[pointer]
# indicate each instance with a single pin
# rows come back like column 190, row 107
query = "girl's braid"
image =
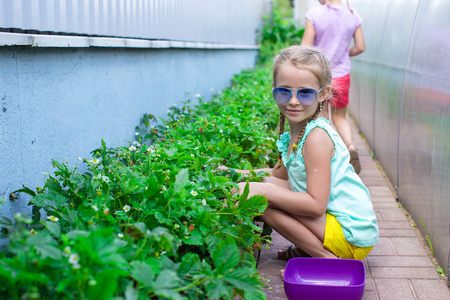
column 281, row 131
column 313, row 117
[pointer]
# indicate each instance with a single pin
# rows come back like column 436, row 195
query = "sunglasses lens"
column 281, row 95
column 307, row 96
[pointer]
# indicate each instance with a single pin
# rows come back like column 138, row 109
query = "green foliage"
column 156, row 219
column 279, row 31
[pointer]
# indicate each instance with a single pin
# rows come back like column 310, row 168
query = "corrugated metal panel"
column 217, row 21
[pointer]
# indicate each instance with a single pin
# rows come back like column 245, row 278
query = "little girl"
column 316, row 200
column 330, row 28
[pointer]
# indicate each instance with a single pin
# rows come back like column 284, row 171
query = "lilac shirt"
column 334, row 26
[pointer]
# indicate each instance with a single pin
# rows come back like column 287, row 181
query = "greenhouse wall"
column 400, row 99
column 76, row 72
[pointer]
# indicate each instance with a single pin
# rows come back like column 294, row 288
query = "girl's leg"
column 342, row 126
column 306, row 233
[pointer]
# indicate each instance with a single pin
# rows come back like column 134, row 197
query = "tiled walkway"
column 398, row 267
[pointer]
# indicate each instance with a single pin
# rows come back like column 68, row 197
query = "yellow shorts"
column 336, row 242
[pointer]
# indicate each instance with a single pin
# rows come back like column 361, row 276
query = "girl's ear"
column 325, row 93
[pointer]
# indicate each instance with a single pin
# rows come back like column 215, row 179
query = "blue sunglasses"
column 306, row 96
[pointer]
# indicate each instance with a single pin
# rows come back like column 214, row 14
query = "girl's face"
column 293, row 78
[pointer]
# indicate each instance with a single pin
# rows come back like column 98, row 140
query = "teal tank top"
column 349, row 199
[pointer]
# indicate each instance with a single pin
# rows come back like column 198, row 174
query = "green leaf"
column 226, row 256
column 131, row 293
column 105, row 287
column 167, row 279
column 243, row 278
column 48, row 251
column 26, row 190
column 216, row 289
column 181, row 180
column 197, row 164
column 54, row 228
column 143, row 273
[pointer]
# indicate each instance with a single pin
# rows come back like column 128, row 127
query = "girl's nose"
column 294, row 100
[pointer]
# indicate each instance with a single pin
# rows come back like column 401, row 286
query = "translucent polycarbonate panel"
column 424, row 156
column 218, row 21
column 389, row 89
column 374, row 18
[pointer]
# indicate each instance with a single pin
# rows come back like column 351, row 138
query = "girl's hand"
column 255, row 188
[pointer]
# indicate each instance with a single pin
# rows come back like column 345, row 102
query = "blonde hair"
column 304, row 58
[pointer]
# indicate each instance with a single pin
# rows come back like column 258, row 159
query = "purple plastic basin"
column 324, row 278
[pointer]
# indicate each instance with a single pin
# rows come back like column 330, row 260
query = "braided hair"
column 304, row 58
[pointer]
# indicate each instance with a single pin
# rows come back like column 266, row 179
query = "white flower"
column 167, row 126
column 94, row 207
column 192, row 155
column 106, row 179
column 137, row 133
column 66, row 251
column 151, row 149
column 204, row 201
column 269, row 138
column 164, row 188
column 126, row 208
column 79, row 158
column 45, row 173
column 52, row 218
column 74, row 259
column 221, row 130
column 198, row 96
column 95, row 161
column 193, row 193
column 233, row 122
column 132, row 148
column 120, row 235
column 76, row 266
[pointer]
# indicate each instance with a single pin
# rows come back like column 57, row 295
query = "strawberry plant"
column 155, row 219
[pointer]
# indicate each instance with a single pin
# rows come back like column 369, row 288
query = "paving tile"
column 398, row 261
column 369, row 285
column 373, row 182
column 377, row 199
column 369, row 295
column 389, row 214
column 397, row 233
column 383, row 247
column 430, row 289
column 394, row 225
column 388, row 204
column 403, row 273
column 393, row 289
column 380, row 191
column 408, row 246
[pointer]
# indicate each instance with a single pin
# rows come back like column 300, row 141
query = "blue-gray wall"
column 75, row 72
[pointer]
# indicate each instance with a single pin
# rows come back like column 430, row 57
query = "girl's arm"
column 317, row 152
column 309, row 35
column 359, row 45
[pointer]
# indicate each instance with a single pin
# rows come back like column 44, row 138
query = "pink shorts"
column 340, row 88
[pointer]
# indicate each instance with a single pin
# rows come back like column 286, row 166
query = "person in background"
column 331, row 28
